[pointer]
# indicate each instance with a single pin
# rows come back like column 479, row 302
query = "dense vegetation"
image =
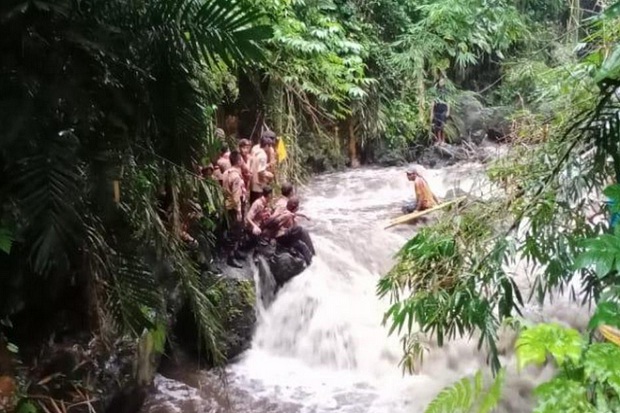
column 106, row 105
column 455, row 277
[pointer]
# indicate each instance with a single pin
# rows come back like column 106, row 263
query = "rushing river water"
column 321, row 347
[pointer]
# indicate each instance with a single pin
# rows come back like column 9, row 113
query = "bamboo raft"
column 415, row 215
column 610, row 333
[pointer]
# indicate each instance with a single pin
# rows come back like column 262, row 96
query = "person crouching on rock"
column 233, row 185
column 288, row 234
column 287, row 190
column 256, row 217
column 425, row 199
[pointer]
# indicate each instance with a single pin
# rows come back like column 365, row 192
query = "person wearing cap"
column 425, row 199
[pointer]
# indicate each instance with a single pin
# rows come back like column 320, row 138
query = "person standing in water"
column 425, row 199
column 439, row 114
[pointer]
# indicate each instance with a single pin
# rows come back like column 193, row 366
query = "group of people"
column 246, row 175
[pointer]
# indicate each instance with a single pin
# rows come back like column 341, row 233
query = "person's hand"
column 256, row 230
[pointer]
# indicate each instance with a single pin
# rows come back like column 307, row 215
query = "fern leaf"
column 494, row 393
column 458, row 398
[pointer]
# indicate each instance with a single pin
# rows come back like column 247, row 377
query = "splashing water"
column 320, row 347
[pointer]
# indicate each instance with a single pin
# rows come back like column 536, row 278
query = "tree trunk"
column 353, row 156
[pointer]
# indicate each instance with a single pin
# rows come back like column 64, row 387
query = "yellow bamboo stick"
column 610, row 333
column 409, row 217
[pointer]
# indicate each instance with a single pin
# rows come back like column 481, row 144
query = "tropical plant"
column 588, row 379
column 101, row 96
column 468, row 395
column 452, row 278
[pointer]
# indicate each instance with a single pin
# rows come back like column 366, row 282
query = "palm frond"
column 47, row 187
column 135, row 297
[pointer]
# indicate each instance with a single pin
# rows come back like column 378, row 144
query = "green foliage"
column 562, row 394
column 314, row 57
column 96, row 92
column 6, row 240
column 468, row 395
column 448, row 281
column 539, row 218
column 606, row 313
column 588, row 379
column 26, row 406
column 534, row 344
column 453, row 32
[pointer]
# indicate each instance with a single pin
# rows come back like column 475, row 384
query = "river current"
column 320, row 347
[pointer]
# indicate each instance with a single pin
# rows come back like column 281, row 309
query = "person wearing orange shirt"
column 425, row 199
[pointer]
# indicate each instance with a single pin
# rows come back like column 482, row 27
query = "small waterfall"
column 265, row 284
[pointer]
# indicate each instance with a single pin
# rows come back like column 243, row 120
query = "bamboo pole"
column 409, row 217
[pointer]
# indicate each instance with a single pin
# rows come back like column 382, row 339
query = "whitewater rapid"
column 320, row 347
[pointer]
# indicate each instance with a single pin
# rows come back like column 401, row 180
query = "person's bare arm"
column 418, row 190
column 250, row 220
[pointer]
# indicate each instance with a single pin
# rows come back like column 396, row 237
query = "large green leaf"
column 607, row 313
column 601, row 364
column 602, row 253
column 562, row 395
column 536, row 343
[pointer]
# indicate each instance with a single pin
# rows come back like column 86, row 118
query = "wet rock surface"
column 239, row 291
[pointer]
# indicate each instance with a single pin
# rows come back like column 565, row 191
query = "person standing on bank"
column 233, row 197
column 260, row 174
column 439, row 114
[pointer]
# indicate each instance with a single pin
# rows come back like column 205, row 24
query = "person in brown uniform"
column 260, row 174
column 259, row 212
column 233, row 185
column 288, row 233
column 287, row 191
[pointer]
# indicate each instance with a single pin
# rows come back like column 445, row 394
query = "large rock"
column 237, row 306
column 233, row 293
column 284, row 266
column 238, row 295
column 473, row 121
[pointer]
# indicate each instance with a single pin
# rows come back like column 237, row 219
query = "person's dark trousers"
column 299, row 240
column 234, row 234
column 250, row 242
column 254, row 196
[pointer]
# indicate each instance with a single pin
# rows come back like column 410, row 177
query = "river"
column 320, row 347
